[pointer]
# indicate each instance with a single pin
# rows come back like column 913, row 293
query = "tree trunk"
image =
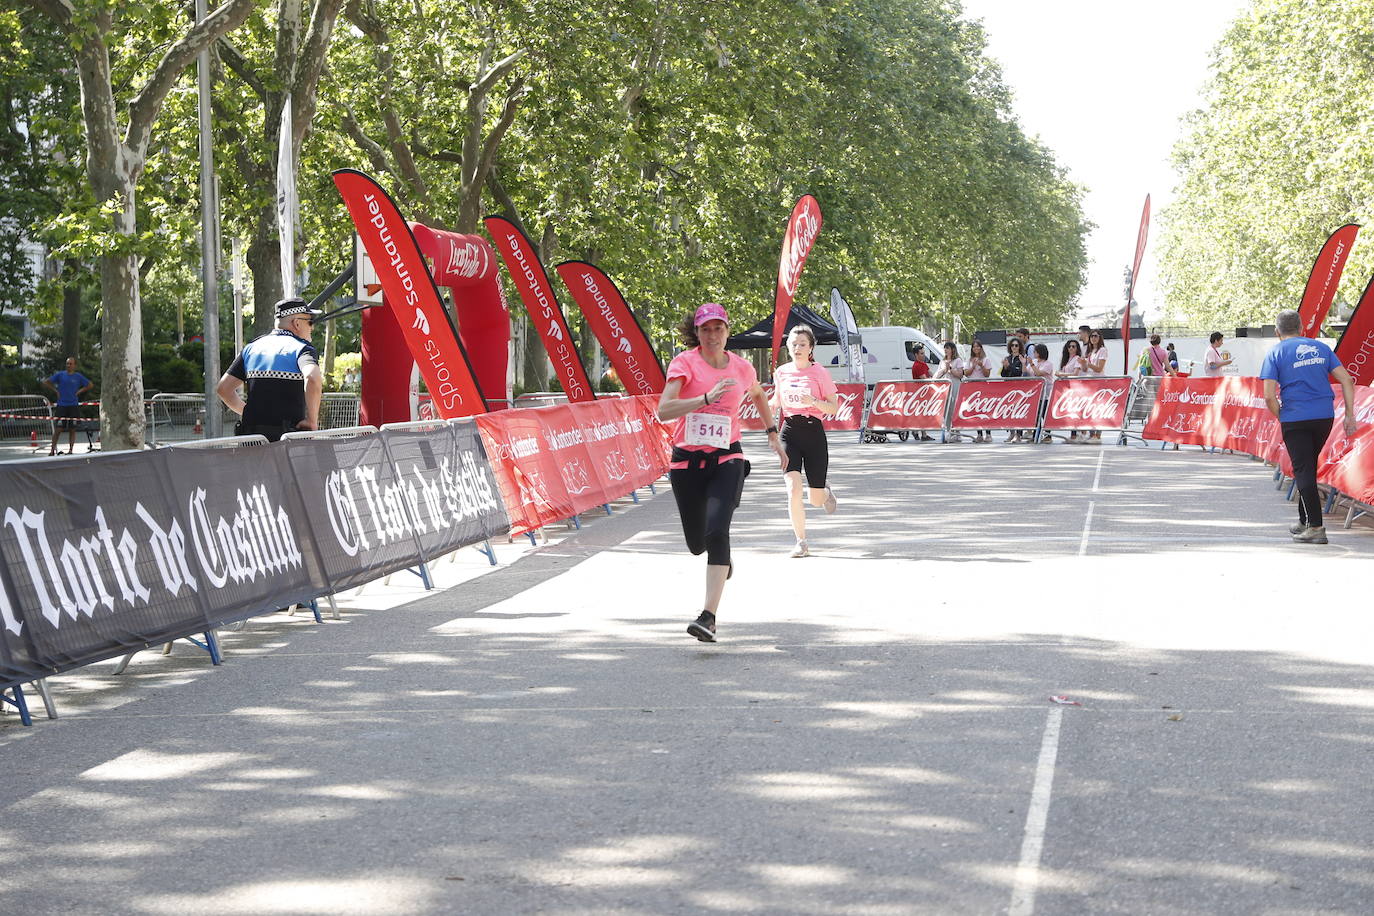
column 121, row 330
column 263, row 257
column 71, row 311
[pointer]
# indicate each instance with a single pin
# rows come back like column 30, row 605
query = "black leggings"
column 707, row 493
column 1304, row 440
column 803, row 438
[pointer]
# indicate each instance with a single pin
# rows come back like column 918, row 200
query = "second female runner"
column 804, row 393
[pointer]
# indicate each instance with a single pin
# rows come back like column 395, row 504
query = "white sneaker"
column 801, row 550
column 831, row 503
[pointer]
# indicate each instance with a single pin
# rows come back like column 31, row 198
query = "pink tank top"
column 717, row 424
column 792, row 383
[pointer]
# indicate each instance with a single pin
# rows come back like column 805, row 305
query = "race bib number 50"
column 795, row 394
column 708, row 429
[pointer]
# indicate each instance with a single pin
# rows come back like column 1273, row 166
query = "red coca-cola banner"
column 411, row 295
column 1222, row 412
column 1088, row 403
column 556, row 462
column 537, row 294
column 851, row 409
column 1012, row 403
column 909, row 405
column 1325, row 278
column 609, row 317
column 802, row 228
column 1355, row 349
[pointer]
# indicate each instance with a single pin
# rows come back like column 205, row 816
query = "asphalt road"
column 873, row 734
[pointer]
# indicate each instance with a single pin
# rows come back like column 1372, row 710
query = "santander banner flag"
column 411, row 295
column 537, row 293
column 1324, row 279
column 1140, row 237
column 615, row 326
column 802, row 228
column 1355, row 349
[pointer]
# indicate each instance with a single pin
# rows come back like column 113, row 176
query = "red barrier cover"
column 615, row 326
column 851, row 397
column 1223, row 412
column 553, row 463
column 909, row 405
column 1347, row 462
column 1088, row 403
column 1011, row 403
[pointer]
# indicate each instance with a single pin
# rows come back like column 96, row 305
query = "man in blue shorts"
column 1297, row 389
column 70, row 385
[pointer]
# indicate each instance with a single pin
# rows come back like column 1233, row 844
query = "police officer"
column 282, row 375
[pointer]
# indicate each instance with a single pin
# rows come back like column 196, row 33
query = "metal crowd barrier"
column 25, row 416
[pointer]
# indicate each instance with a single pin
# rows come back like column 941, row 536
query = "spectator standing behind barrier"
column 1297, row 390
column 1216, row 358
column 920, row 369
column 69, row 385
column 1173, row 357
column 804, row 393
column 1070, row 366
column 1095, row 366
column 704, row 390
column 281, row 373
column 1043, row 367
column 1158, row 357
column 1014, row 365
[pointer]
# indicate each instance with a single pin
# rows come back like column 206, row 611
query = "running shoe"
column 831, row 503
column 801, row 550
column 704, row 627
column 1311, row 536
column 1297, row 528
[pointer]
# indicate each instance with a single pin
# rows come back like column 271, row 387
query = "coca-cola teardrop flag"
column 1355, row 349
column 411, row 295
column 1325, row 278
column 615, row 326
column 1141, row 235
column 537, row 293
column 802, row 228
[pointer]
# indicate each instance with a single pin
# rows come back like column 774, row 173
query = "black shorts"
column 66, row 415
column 803, row 438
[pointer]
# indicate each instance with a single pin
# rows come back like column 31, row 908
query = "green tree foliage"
column 1277, row 159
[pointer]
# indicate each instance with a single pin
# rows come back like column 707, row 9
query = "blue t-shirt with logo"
column 67, row 385
column 1302, row 367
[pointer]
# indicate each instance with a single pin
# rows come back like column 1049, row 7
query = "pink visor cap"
column 711, row 311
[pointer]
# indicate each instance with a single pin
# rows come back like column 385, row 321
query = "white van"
column 886, row 353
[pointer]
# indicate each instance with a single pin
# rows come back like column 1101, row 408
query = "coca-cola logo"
column 850, row 404
column 920, row 401
column 1104, row 405
column 801, row 235
column 466, row 260
column 1017, row 404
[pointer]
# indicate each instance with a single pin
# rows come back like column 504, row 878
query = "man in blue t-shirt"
column 69, row 385
column 1297, row 389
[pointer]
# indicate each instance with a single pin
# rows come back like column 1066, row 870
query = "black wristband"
column 706, row 399
column 770, row 430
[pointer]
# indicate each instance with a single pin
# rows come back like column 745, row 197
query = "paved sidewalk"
column 873, row 733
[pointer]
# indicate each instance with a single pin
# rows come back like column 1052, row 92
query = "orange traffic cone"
column 33, row 438
column 198, row 429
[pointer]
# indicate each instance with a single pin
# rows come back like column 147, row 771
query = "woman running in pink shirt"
column 803, row 393
column 704, row 391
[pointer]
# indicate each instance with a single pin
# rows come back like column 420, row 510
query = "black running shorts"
column 803, row 438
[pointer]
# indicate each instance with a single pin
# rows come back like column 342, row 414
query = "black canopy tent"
column 760, row 336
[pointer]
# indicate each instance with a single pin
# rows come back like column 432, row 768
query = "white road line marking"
column 1087, row 530
column 1028, row 869
column 1097, row 478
